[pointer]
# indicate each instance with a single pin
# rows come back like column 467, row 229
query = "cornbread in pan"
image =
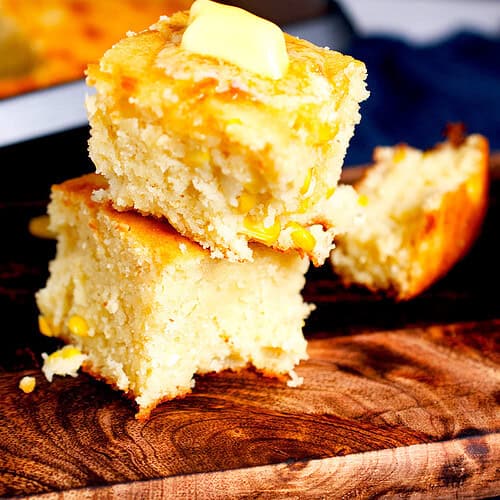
column 227, row 155
column 17, row 57
column 149, row 309
column 47, row 42
column 423, row 211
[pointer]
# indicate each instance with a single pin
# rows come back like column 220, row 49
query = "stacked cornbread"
column 219, row 160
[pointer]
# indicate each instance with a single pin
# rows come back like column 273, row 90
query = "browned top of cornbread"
column 143, row 62
column 66, row 35
column 150, row 73
column 141, row 231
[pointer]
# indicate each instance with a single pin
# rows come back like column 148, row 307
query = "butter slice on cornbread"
column 148, row 308
column 228, row 151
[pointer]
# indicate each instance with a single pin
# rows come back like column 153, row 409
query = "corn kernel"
column 39, row 227
column 234, row 121
column 307, row 182
column 246, row 202
column 44, row 326
column 304, row 205
column 66, row 352
column 258, row 232
column 78, row 326
column 197, row 158
column 325, row 133
column 399, row 154
column 330, row 192
column 301, row 237
column 363, row 200
column 27, row 384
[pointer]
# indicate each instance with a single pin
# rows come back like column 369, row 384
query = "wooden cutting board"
column 397, row 400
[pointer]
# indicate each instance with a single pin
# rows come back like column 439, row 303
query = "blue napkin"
column 416, row 90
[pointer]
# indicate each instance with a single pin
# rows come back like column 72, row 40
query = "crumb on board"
column 65, row 361
column 295, row 380
column 27, row 384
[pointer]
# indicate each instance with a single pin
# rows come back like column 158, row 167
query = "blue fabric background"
column 416, row 90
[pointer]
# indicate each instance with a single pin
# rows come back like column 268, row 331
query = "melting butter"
column 236, row 36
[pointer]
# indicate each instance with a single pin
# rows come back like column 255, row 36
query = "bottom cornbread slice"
column 150, row 308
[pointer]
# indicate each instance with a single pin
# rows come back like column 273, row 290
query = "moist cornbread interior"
column 227, row 156
column 422, row 210
column 157, row 308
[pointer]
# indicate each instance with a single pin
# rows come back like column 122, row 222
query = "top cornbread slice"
column 226, row 155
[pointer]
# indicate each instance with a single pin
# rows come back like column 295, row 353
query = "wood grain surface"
column 398, row 399
column 468, row 466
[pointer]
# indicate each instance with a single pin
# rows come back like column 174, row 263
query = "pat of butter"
column 236, row 36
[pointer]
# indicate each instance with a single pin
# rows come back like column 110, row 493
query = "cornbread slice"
column 423, row 211
column 149, row 308
column 226, row 155
column 48, row 42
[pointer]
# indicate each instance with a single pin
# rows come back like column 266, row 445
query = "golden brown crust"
column 157, row 235
column 156, row 60
column 447, row 233
column 144, row 413
column 455, row 133
column 138, row 69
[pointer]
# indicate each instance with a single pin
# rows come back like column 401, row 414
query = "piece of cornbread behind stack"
column 227, row 155
column 422, row 211
column 149, row 309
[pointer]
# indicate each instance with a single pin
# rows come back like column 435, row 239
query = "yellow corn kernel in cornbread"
column 186, row 136
column 77, row 325
column 422, row 212
column 44, row 326
column 157, row 309
column 302, row 238
column 39, row 227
